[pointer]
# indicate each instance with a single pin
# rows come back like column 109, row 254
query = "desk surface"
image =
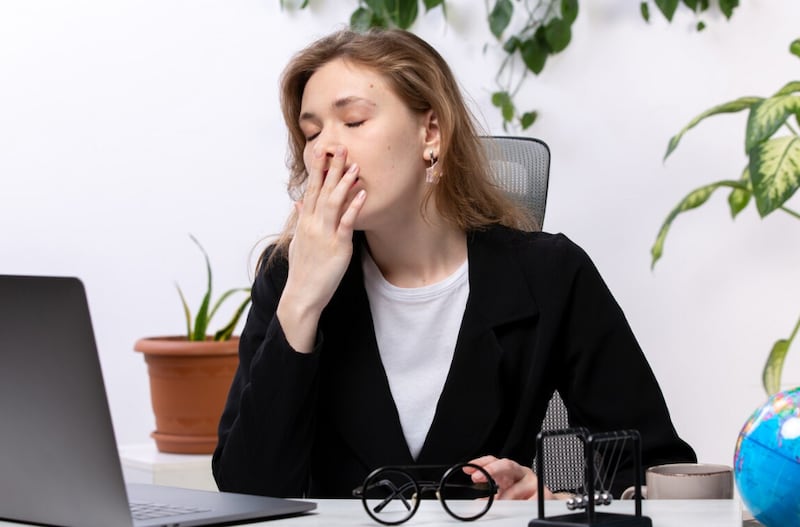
column 664, row 513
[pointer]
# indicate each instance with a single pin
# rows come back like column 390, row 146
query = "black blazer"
column 538, row 318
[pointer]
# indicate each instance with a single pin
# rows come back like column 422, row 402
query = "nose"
column 327, row 141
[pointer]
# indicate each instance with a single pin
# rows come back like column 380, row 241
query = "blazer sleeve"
column 266, row 429
column 608, row 384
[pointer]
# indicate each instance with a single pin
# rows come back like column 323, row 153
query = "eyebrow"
column 338, row 104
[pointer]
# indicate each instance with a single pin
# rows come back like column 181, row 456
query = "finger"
column 335, row 169
column 349, row 217
column 482, row 461
column 525, row 488
column 505, row 472
column 338, row 197
column 315, row 177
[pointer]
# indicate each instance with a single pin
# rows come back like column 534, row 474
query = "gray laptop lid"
column 58, row 456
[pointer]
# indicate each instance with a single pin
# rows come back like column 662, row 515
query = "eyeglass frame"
column 424, row 486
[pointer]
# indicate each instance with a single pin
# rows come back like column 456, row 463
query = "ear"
column 432, row 133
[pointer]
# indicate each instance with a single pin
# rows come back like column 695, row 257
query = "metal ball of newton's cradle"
column 581, row 502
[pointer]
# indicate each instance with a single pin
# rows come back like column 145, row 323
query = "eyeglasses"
column 391, row 495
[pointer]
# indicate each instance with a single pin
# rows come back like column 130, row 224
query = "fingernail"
column 353, row 169
column 317, row 151
column 361, row 194
column 339, row 151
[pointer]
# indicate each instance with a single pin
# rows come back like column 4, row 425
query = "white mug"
column 686, row 481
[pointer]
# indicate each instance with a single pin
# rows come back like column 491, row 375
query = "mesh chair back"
column 521, row 166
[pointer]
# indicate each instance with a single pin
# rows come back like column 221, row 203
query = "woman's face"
column 350, row 105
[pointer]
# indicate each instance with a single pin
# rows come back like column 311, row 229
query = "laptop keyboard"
column 150, row 511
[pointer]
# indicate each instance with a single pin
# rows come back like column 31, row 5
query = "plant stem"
column 789, row 211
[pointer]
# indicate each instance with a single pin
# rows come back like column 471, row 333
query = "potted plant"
column 190, row 374
column 771, row 177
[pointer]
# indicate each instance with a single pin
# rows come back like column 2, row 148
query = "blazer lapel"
column 361, row 402
column 472, row 396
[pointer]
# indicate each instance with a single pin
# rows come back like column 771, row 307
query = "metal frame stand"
column 590, row 517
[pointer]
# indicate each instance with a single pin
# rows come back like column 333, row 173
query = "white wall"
column 126, row 125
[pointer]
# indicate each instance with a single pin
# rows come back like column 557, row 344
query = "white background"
column 125, row 125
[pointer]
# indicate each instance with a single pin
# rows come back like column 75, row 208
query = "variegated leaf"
column 771, row 376
column 740, row 197
column 791, row 87
column 692, row 200
column 767, row 116
column 775, row 172
column 738, row 105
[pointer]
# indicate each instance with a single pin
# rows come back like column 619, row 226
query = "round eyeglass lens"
column 390, row 496
column 463, row 498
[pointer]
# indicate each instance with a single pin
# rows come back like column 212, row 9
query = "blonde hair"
column 466, row 195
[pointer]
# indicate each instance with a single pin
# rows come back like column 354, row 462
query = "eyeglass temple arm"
column 396, row 493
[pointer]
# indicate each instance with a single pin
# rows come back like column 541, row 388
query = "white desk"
column 664, row 513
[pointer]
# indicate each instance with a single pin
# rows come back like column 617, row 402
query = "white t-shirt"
column 416, row 329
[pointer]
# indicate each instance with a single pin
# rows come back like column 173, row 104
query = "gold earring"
column 433, row 174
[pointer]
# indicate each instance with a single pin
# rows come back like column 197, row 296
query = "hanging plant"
column 544, row 29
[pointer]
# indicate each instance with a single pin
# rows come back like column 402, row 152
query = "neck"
column 418, row 254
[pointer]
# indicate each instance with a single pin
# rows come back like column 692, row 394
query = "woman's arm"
column 267, row 426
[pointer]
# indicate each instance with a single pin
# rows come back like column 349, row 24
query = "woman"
column 409, row 313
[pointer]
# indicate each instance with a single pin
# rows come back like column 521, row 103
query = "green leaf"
column 767, row 116
column 569, row 10
column 500, row 17
column 701, row 25
column 667, row 7
column 691, row 4
column 201, row 320
column 775, row 172
column 500, row 98
column 794, row 47
column 790, row 87
column 727, row 7
column 361, row 19
column 402, row 13
column 729, row 107
column 771, row 376
column 740, row 197
column 507, row 110
column 527, row 119
column 376, row 6
column 533, row 55
column 558, row 34
column 186, row 312
column 644, row 7
column 511, row 45
column 224, row 297
column 226, row 332
column 692, row 200
column 430, row 4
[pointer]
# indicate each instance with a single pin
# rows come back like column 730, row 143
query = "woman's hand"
column 514, row 482
column 322, row 245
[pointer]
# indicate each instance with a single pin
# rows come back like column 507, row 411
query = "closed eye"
column 355, row 124
column 311, row 137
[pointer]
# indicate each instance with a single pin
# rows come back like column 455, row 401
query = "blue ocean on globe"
column 767, row 461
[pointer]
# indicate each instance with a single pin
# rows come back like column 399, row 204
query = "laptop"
column 59, row 463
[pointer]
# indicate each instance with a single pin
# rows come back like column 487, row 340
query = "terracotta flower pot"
column 189, row 383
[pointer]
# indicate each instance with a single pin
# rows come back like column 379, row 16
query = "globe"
column 767, row 461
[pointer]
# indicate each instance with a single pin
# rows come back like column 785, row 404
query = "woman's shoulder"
column 539, row 246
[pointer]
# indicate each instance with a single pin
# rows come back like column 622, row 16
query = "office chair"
column 521, row 166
